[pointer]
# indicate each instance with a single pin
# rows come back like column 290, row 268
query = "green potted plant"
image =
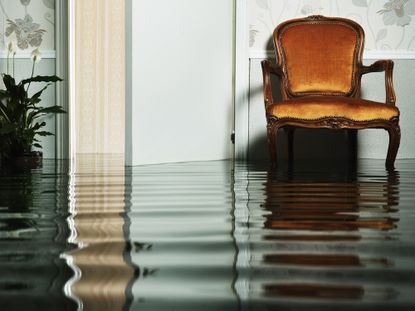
column 21, row 114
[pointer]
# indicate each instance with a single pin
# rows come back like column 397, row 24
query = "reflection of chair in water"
column 319, row 62
column 331, row 206
column 305, row 211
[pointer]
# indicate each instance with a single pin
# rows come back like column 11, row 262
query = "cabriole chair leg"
column 394, row 141
column 290, row 144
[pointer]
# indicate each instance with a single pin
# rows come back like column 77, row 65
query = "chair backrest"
column 319, row 56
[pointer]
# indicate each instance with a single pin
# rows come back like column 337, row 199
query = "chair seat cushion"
column 319, row 107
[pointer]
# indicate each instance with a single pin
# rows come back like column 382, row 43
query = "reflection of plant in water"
column 148, row 272
column 16, row 226
column 137, row 247
column 16, row 200
column 15, row 191
column 17, row 204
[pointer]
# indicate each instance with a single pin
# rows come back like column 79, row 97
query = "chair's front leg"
column 394, row 141
column 352, row 141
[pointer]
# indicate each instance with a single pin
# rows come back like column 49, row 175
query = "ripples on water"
column 206, row 236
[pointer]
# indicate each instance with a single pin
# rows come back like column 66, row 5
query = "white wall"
column 179, row 80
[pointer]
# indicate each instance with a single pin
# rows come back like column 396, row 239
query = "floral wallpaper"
column 29, row 24
column 389, row 24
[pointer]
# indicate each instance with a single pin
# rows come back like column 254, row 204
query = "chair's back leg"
column 290, row 144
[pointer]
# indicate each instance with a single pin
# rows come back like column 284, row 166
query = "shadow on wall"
column 318, row 144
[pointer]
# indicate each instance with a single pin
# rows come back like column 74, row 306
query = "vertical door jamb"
column 241, row 81
column 62, row 130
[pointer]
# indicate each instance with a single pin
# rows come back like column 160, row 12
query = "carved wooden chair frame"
column 274, row 124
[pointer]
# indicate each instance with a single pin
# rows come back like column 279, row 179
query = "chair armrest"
column 267, row 70
column 387, row 67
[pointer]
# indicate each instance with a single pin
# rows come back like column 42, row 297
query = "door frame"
column 62, row 47
column 242, row 62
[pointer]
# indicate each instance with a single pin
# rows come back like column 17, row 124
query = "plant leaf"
column 53, row 109
column 33, row 102
column 7, row 128
column 42, row 79
column 3, row 94
column 4, row 112
column 44, row 133
column 37, row 145
column 38, row 126
column 37, row 95
column 9, row 81
column 40, row 111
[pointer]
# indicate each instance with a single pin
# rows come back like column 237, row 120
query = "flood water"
column 96, row 235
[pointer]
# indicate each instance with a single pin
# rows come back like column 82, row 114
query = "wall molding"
column 46, row 54
column 262, row 54
column 241, row 114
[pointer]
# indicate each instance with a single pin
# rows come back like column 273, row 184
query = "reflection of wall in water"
column 182, row 228
column 99, row 222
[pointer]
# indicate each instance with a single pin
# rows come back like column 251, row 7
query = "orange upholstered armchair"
column 319, row 63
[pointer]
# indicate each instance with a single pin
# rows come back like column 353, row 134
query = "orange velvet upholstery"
column 319, row 57
column 318, row 107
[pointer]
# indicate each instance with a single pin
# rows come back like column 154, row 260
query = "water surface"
column 207, row 236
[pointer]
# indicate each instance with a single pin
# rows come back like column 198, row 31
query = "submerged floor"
column 207, row 236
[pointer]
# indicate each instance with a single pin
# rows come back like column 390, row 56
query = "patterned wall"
column 389, row 24
column 100, row 76
column 29, row 24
